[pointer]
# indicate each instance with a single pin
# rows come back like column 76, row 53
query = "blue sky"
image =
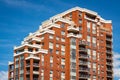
column 20, row 17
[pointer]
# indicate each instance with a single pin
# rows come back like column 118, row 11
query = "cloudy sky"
column 20, row 17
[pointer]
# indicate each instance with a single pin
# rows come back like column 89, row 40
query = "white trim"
column 32, row 56
column 23, row 53
column 64, row 20
column 47, row 31
column 26, row 44
column 10, row 63
column 73, row 35
column 41, row 51
column 71, row 28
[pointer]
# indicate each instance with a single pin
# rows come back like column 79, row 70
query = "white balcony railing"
column 71, row 28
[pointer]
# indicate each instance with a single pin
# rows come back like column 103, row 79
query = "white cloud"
column 116, row 64
column 3, row 75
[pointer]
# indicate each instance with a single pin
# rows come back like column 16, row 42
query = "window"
column 51, row 59
column 51, row 73
column 63, row 53
column 88, row 26
column 51, row 45
column 42, row 59
column 57, row 38
column 88, row 38
column 57, row 51
column 94, row 55
column 62, row 47
column 94, row 65
column 94, row 39
column 62, row 25
column 80, row 21
column 63, row 61
column 94, row 28
column 50, row 36
column 62, row 39
column 89, row 53
column 57, row 45
column 62, row 75
column 70, row 15
column 63, row 33
column 73, row 53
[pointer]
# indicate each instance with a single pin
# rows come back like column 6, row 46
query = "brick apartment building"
column 73, row 45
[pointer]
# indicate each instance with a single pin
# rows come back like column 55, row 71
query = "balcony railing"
column 83, row 56
column 108, row 51
column 83, row 50
column 109, row 69
column 109, row 63
column 109, row 75
column 83, row 63
column 108, row 39
column 109, row 57
column 108, row 46
column 36, row 64
column 83, row 43
column 83, row 76
column 83, row 70
column 73, row 29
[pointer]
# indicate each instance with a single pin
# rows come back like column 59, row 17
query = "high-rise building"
column 73, row 45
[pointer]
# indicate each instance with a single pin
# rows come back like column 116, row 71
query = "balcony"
column 85, row 77
column 109, row 57
column 83, row 56
column 36, row 64
column 108, row 46
column 108, row 52
column 110, row 75
column 64, row 20
column 73, row 35
column 109, row 39
column 28, row 72
column 82, row 50
column 83, row 70
column 81, row 43
column 35, row 79
column 109, row 69
column 84, row 63
column 73, row 29
column 109, row 64
column 91, row 18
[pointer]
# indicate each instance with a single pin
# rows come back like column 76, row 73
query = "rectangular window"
column 62, row 47
column 93, row 39
column 51, row 59
column 57, row 45
column 88, row 38
column 62, row 39
column 80, row 21
column 50, row 45
column 63, row 33
column 50, row 36
column 89, row 53
column 57, row 38
column 94, row 55
column 62, row 25
column 62, row 61
column 57, row 51
column 63, row 53
column 88, row 26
